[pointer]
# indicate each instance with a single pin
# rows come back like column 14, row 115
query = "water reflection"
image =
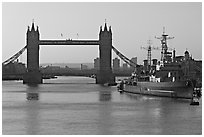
column 132, row 96
column 32, row 110
column 139, row 97
column 105, row 94
column 32, row 92
column 32, row 96
column 32, row 118
column 105, row 111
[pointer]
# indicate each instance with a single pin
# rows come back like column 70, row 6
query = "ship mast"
column 165, row 55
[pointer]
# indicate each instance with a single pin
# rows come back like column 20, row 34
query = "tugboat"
column 169, row 77
column 120, row 86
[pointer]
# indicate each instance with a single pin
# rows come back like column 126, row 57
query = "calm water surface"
column 75, row 105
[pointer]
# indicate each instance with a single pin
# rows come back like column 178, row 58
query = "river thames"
column 78, row 106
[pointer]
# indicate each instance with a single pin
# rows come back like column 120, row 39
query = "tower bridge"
column 33, row 74
column 33, row 42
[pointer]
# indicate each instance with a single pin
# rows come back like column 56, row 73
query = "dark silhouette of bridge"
column 33, row 75
column 33, row 42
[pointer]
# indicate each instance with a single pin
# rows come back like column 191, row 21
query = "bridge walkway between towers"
column 68, row 42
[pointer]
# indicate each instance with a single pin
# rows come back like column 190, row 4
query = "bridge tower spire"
column 33, row 75
column 105, row 74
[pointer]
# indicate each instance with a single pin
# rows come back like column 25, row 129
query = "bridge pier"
column 103, row 78
column 33, row 75
column 32, row 78
column 105, row 74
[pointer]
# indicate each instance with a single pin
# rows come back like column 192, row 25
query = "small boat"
column 194, row 102
column 120, row 87
column 196, row 96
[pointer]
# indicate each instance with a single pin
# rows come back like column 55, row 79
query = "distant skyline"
column 133, row 24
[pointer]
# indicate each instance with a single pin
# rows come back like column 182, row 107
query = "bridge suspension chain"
column 14, row 57
column 124, row 58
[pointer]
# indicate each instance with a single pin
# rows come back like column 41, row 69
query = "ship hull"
column 162, row 89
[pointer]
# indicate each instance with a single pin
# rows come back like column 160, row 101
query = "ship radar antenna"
column 163, row 30
column 165, row 54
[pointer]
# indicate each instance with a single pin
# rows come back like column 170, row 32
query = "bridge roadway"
column 69, row 42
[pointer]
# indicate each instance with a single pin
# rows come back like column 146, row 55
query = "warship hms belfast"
column 172, row 76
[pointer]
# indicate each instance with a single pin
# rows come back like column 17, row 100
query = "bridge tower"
column 33, row 75
column 105, row 74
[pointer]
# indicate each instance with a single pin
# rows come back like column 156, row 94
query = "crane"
column 149, row 49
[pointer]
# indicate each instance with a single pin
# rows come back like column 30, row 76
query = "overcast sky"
column 132, row 25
